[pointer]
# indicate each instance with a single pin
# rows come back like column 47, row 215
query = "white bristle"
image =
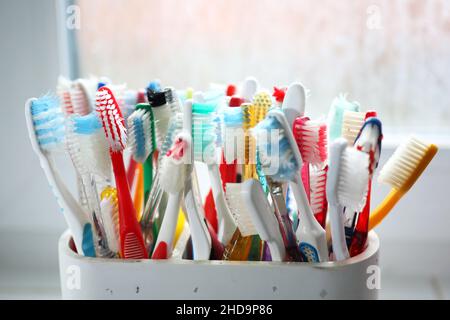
column 162, row 115
column 402, row 164
column 80, row 100
column 110, row 217
column 95, row 150
column 317, row 185
column 113, row 124
column 352, row 124
column 140, row 135
column 175, row 126
column 173, row 165
column 353, row 179
column 239, row 210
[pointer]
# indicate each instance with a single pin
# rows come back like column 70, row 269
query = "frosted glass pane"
column 392, row 55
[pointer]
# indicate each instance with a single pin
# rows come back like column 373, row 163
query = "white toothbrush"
column 285, row 155
column 249, row 88
column 46, row 129
column 254, row 215
column 347, row 183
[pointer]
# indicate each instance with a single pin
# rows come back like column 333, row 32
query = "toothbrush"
column 311, row 138
column 201, row 239
column 348, row 178
column 173, row 177
column 240, row 247
column 46, row 131
column 131, row 241
column 336, row 115
column 281, row 161
column 279, row 94
column 81, row 162
column 249, row 88
column 142, row 141
column 204, row 150
column 401, row 172
column 352, row 124
column 368, row 141
column 110, row 216
column 254, row 215
column 318, row 196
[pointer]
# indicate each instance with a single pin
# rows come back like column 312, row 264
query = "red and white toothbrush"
column 131, row 240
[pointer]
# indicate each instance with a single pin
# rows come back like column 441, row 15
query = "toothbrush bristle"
column 93, row 144
column 311, row 137
column 275, row 150
column 175, row 127
column 173, row 168
column 132, row 247
column 140, row 134
column 238, row 208
column 204, row 133
column 113, row 123
column 234, row 139
column 110, row 216
column 352, row 124
column 48, row 122
column 80, row 100
column 353, row 179
column 317, row 185
column 405, row 165
column 262, row 103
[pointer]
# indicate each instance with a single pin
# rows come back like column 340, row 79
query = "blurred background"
column 391, row 55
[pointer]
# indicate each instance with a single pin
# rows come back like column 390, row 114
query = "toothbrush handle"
column 201, row 240
column 131, row 240
column 359, row 238
column 164, row 243
column 309, row 231
column 337, row 233
column 74, row 215
column 148, row 176
column 382, row 210
column 226, row 223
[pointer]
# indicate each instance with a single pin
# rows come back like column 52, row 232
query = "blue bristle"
column 154, row 86
column 139, row 136
column 277, row 157
column 48, row 121
column 87, row 124
column 232, row 117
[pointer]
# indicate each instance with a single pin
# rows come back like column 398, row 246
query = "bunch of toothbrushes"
column 283, row 186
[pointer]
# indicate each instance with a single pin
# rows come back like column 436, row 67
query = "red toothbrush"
column 131, row 240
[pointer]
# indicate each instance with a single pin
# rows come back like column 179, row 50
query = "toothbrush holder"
column 98, row 278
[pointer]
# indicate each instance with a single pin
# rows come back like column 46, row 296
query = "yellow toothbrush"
column 401, row 171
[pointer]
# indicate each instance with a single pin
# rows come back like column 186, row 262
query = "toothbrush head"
column 311, row 137
column 110, row 216
column 204, row 134
column 336, row 115
column 233, row 135
column 369, row 140
column 348, row 176
column 351, row 125
column 262, row 103
column 63, row 92
column 249, row 88
column 92, row 143
column 111, row 117
column 175, row 127
column 279, row 155
column 46, row 125
column 318, row 196
column 294, row 102
column 81, row 103
column 141, row 133
column 407, row 163
column 239, row 209
column 173, row 166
